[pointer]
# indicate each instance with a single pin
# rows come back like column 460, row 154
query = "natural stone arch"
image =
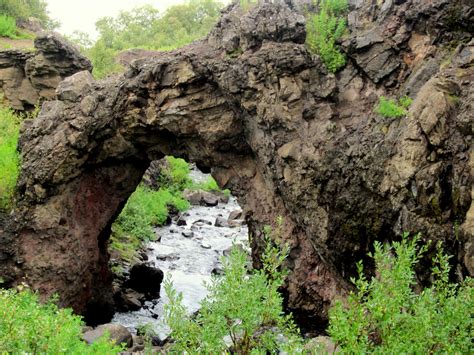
column 285, row 136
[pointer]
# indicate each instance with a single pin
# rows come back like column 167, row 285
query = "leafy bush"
column 28, row 327
column 7, row 26
column 243, row 307
column 175, row 176
column 9, row 156
column 324, row 29
column 391, row 108
column 387, row 316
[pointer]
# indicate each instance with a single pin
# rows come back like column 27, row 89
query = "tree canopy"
column 146, row 28
column 22, row 9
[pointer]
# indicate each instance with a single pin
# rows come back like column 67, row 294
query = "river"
column 187, row 254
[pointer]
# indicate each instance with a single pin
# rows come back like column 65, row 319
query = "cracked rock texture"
column 30, row 77
column 288, row 138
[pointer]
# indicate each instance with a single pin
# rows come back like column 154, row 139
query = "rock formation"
column 28, row 77
column 287, row 137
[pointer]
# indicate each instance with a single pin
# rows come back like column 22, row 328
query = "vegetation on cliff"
column 324, row 29
column 392, row 108
column 30, row 327
column 148, row 208
column 9, row 156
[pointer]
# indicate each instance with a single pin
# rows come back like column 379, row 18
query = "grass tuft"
column 9, row 156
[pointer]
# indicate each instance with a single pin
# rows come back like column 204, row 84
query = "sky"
column 82, row 14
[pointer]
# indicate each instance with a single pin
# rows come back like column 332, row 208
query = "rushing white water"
column 189, row 261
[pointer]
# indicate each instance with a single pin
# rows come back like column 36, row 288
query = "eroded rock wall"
column 30, row 77
column 289, row 139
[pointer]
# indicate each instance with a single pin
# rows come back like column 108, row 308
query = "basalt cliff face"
column 287, row 137
column 28, row 77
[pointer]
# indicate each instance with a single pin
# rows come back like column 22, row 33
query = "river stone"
column 209, row 199
column 138, row 344
column 117, row 333
column 220, row 222
column 188, row 234
column 181, row 222
column 206, row 245
column 201, row 222
column 201, row 198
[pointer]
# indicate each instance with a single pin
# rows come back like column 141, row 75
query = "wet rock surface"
column 289, row 139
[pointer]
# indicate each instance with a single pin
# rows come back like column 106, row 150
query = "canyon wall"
column 287, row 137
column 28, row 77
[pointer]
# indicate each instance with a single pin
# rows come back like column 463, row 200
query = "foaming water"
column 188, row 260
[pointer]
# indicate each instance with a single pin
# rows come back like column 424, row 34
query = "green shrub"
column 387, row 316
column 29, row 327
column 175, row 175
column 244, row 307
column 391, row 108
column 144, row 210
column 324, row 29
column 9, row 156
column 7, row 26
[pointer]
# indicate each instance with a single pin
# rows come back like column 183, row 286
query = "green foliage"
column 147, row 208
column 22, row 9
column 387, row 316
column 7, row 26
column 324, row 29
column 147, row 332
column 103, row 60
column 175, row 175
column 144, row 209
column 244, row 307
column 29, row 327
column 144, row 27
column 391, row 108
column 9, row 156
column 210, row 185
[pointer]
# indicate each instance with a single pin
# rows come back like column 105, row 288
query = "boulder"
column 145, row 279
column 30, row 77
column 129, row 300
column 201, row 198
column 237, row 214
column 220, row 222
column 181, row 221
column 117, row 333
